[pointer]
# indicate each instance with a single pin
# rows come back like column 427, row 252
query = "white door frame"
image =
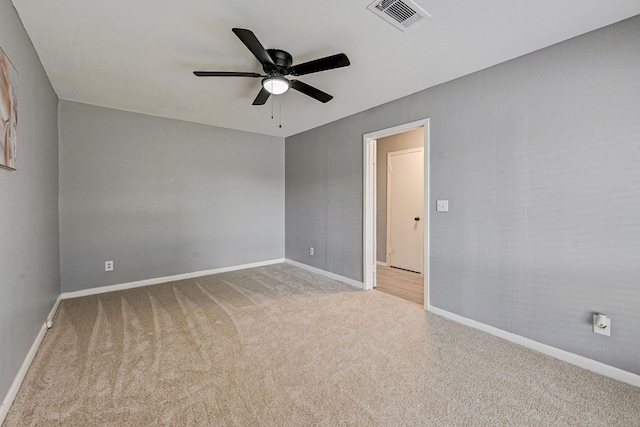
column 389, row 155
column 369, row 202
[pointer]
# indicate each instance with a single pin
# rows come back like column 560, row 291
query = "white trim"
column 572, row 358
column 427, row 210
column 369, row 211
column 382, row 263
column 157, row 280
column 22, row 372
column 330, row 275
column 374, row 202
column 387, row 250
column 54, row 309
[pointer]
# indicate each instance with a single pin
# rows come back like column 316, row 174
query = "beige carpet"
column 279, row 346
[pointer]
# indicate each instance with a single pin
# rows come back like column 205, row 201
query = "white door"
column 405, row 193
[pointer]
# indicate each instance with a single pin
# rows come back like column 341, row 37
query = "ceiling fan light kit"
column 276, row 85
column 276, row 64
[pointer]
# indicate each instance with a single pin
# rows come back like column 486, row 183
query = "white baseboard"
column 382, row 263
column 328, row 274
column 572, row 358
column 157, row 280
column 22, row 372
column 53, row 311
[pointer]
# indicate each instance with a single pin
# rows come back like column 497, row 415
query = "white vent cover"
column 400, row 13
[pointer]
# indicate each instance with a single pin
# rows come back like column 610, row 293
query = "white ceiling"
column 139, row 55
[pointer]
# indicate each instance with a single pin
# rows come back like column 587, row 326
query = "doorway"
column 371, row 241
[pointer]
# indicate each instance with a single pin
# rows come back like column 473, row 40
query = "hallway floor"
column 401, row 283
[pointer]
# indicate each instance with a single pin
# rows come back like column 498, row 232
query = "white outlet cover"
column 602, row 331
column 442, row 205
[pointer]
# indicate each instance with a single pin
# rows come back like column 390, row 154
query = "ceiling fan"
column 276, row 64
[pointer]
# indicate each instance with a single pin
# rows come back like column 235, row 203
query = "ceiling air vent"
column 400, row 13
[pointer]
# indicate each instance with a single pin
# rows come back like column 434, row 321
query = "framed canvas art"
column 8, row 113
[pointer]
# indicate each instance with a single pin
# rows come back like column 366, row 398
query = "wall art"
column 8, row 112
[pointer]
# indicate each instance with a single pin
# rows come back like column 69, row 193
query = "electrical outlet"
column 108, row 266
column 601, row 325
column 311, row 250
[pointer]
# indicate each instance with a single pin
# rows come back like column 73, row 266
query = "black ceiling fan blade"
column 225, row 74
column 311, row 91
column 262, row 97
column 251, row 42
column 322, row 64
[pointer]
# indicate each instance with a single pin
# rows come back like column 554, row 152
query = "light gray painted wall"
column 161, row 197
column 538, row 158
column 323, row 188
column 29, row 255
column 401, row 141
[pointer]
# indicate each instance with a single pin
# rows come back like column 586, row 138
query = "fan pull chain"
column 280, row 126
column 272, row 108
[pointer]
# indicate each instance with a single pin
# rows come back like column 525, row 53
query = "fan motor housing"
column 282, row 59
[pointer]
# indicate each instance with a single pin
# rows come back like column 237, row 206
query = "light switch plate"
column 442, row 205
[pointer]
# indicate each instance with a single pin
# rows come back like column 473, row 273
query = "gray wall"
column 323, row 188
column 29, row 256
column 161, row 197
column 539, row 160
column 401, row 141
